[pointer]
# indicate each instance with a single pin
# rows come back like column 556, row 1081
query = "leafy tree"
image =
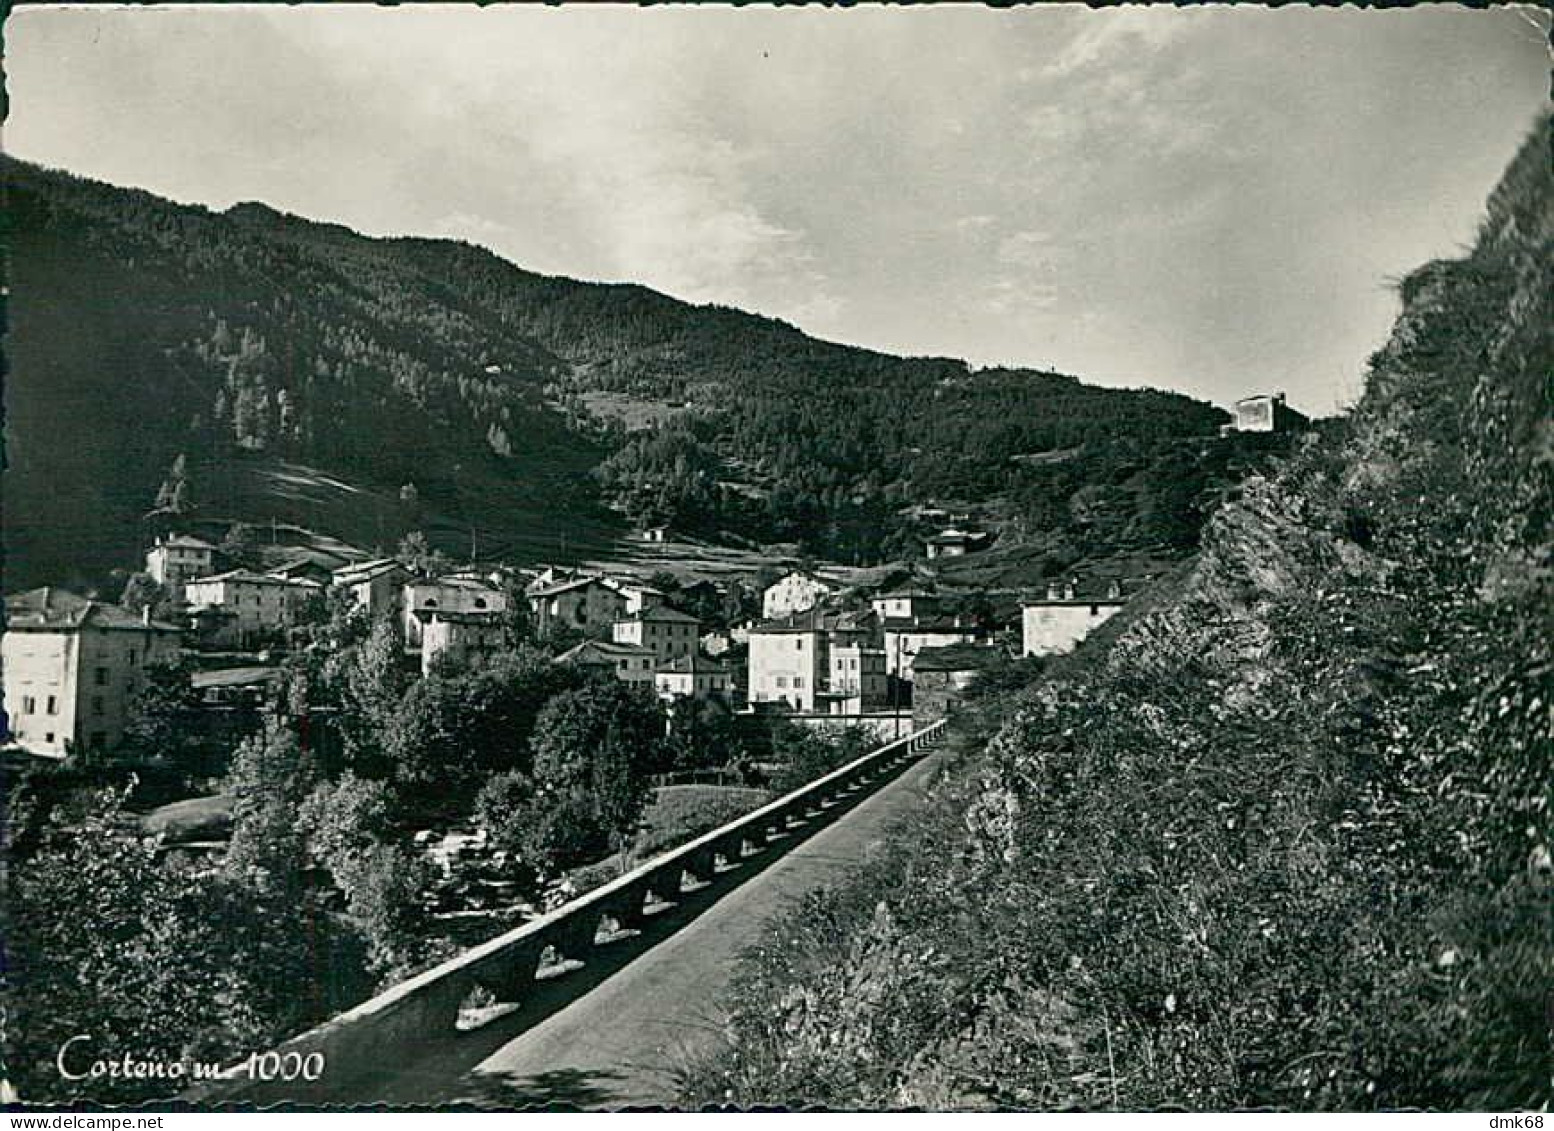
column 594, row 749
column 350, row 830
column 240, row 544
column 371, row 678
column 807, row 754
column 108, row 939
column 702, row 734
column 417, row 552
column 450, row 733
column 162, row 719
column 504, row 809
column 142, row 593
column 271, row 774
column 565, row 832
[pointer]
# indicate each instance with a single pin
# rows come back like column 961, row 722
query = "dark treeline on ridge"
column 266, row 348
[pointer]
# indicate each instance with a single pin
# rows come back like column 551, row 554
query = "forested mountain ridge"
column 141, row 329
column 1279, row 835
column 268, row 348
column 836, row 437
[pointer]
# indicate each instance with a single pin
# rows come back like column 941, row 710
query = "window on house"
column 480, row 602
column 97, row 704
column 53, row 705
column 48, row 736
column 798, row 681
column 782, row 681
column 100, row 677
column 132, row 657
column 798, row 642
column 1095, row 610
column 29, row 705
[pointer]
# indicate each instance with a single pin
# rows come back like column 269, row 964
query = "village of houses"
column 820, row 652
column 885, row 657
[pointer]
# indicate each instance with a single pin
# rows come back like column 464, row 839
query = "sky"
column 1214, row 200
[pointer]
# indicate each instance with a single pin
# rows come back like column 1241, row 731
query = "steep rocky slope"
column 1286, row 840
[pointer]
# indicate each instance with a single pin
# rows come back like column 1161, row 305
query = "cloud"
column 1159, row 194
column 1117, row 37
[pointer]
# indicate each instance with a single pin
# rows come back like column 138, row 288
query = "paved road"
column 621, row 1042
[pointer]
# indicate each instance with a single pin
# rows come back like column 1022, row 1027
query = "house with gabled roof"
column 581, row 603
column 626, row 662
column 452, row 593
column 954, row 543
column 250, row 606
column 1070, row 610
column 790, row 657
column 378, row 585
column 667, row 631
column 175, row 558
column 73, row 668
column 694, row 676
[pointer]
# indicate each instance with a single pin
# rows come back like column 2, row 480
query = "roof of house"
column 954, row 658
column 299, row 568
column 602, row 652
column 927, row 624
column 51, row 609
column 693, row 665
column 1095, row 590
column 455, row 581
column 817, row 620
column 249, row 577
column 954, row 536
column 566, row 586
column 621, row 584
column 234, row 677
column 905, row 591
column 358, row 572
column 185, row 541
column 666, row 612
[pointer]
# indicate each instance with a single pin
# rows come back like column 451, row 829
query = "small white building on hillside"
column 177, row 558
column 1066, row 615
column 904, row 603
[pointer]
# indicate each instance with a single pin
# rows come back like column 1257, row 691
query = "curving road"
column 654, row 1001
